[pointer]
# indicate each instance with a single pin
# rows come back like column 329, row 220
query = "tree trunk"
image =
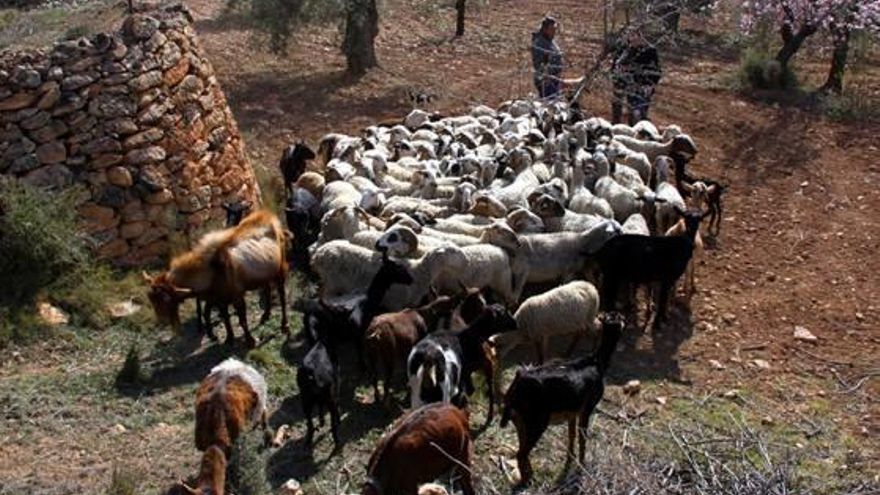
column 459, row 19
column 792, row 42
column 361, row 29
column 834, row 84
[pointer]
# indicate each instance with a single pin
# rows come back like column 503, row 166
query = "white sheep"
column 569, row 309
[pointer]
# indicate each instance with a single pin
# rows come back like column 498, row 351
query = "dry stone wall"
column 139, row 119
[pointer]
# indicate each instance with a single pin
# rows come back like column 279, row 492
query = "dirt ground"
column 798, row 247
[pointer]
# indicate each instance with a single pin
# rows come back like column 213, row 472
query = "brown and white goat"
column 229, row 400
column 421, row 446
column 221, row 268
column 391, row 336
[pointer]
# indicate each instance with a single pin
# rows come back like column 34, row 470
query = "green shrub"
column 246, row 472
column 760, row 71
column 39, row 244
column 130, row 374
column 852, row 107
column 124, row 482
column 75, row 32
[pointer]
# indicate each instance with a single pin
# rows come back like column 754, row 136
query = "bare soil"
column 798, row 247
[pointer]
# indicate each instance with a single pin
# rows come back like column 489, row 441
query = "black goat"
column 440, row 366
column 637, row 259
column 715, row 191
column 559, row 390
column 293, row 163
column 349, row 319
column 305, row 225
column 318, row 381
column 235, row 211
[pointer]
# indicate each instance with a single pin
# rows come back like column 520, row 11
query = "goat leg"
column 281, row 292
column 572, row 429
column 224, row 314
column 466, row 481
column 334, row 424
column 529, row 431
column 584, row 421
column 266, row 303
column 310, row 427
column 268, row 436
column 241, row 312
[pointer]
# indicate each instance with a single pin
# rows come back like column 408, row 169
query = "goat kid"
column 558, row 391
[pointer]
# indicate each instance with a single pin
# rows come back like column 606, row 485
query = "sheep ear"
column 147, row 278
column 711, row 189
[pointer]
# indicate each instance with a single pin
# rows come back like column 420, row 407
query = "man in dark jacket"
column 547, row 59
column 635, row 73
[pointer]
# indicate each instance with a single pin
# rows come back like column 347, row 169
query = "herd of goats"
column 438, row 245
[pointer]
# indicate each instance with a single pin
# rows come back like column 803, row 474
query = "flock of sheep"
column 438, row 245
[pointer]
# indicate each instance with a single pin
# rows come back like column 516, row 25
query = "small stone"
column 140, row 27
column 55, row 74
column 731, row 394
column 26, row 77
column 145, row 156
column 146, row 81
column 17, row 101
column 133, row 229
column 123, row 126
column 36, row 121
column 661, row 400
column 632, row 387
column 119, row 429
column 76, row 81
column 175, row 74
column 728, row 318
column 767, row 421
column 101, row 146
column 113, row 249
column 432, row 489
column 860, row 317
column 50, row 132
column 143, row 138
column 291, row 487
column 714, row 363
column 190, row 88
column 761, row 364
column 160, row 198
column 51, row 315
column 119, row 176
column 55, row 176
column 112, row 106
column 51, row 97
column 24, row 164
column 53, row 152
column 104, row 161
column 801, row 333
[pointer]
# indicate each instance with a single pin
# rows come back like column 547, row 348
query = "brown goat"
column 391, row 336
column 221, row 268
column 420, row 447
column 229, row 400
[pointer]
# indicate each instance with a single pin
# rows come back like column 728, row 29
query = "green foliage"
column 130, row 374
column 39, row 245
column 852, row 107
column 75, row 32
column 123, row 482
column 276, row 21
column 760, row 71
column 246, row 472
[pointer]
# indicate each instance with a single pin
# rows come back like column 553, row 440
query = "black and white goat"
column 440, row 366
column 557, row 391
column 685, row 181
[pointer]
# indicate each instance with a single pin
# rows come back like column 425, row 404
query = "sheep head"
column 212, row 474
column 488, row 206
column 501, row 235
column 165, row 298
column 398, row 241
column 683, row 145
column 524, row 221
